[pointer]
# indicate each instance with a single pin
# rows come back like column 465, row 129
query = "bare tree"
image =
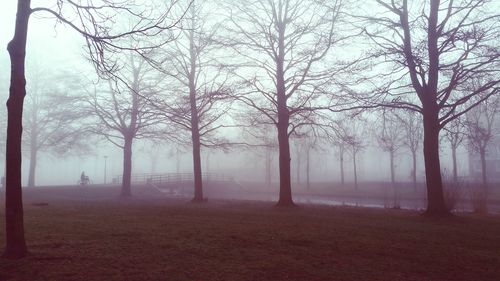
column 354, row 139
column 455, row 134
column 52, row 128
column 200, row 97
column 424, row 52
column 412, row 133
column 391, row 139
column 261, row 139
column 307, row 141
column 123, row 112
column 282, row 45
column 343, row 139
column 93, row 20
column 480, row 132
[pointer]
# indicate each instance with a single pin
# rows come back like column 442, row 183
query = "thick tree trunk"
column 197, row 174
column 414, row 172
column 435, row 198
column 285, row 196
column 127, row 167
column 454, row 160
column 195, row 122
column 15, row 244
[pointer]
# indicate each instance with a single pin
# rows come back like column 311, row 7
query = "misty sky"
column 58, row 49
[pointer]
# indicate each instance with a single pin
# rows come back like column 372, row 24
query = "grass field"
column 241, row 240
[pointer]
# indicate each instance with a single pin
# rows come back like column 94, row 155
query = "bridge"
column 177, row 183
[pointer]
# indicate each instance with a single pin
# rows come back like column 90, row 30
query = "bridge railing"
column 173, row 178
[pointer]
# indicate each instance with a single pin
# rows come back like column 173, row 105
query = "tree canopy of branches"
column 412, row 138
column 283, row 46
column 391, row 139
column 198, row 100
column 424, row 54
column 124, row 113
column 455, row 134
column 96, row 21
column 480, row 127
column 52, row 128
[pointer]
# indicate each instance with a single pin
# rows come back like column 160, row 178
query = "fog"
column 55, row 50
column 250, row 140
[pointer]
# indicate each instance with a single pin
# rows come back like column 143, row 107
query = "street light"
column 105, row 165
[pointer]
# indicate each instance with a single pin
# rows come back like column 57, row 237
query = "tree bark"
column 15, row 244
column 285, row 197
column 195, row 130
column 127, row 167
column 198, row 184
column 435, row 198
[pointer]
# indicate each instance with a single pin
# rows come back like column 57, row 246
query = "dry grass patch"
column 231, row 240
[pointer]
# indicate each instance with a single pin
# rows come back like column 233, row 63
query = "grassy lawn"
column 238, row 240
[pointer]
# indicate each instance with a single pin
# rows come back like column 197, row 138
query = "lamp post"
column 105, row 167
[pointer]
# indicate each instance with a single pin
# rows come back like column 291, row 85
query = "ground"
column 171, row 239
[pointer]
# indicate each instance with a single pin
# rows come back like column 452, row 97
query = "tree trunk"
column 15, row 244
column 195, row 130
column 197, row 174
column 414, row 173
column 454, row 159
column 285, row 198
column 434, row 184
column 127, row 167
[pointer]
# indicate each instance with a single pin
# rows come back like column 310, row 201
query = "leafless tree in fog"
column 455, row 134
column 355, row 141
column 424, row 53
column 307, row 141
column 391, row 139
column 412, row 138
column 52, row 128
column 283, row 46
column 348, row 135
column 480, row 126
column 124, row 113
column 200, row 101
column 95, row 20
